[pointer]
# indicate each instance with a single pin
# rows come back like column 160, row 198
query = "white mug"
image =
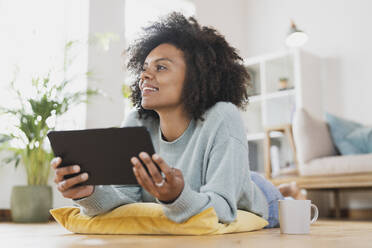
column 294, row 216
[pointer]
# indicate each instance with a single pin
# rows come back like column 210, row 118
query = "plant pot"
column 283, row 84
column 31, row 203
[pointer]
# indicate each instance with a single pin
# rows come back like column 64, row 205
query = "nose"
column 146, row 74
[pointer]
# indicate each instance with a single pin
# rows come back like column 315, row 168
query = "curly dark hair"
column 214, row 70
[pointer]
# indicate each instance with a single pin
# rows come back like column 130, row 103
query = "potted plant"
column 28, row 144
column 283, row 83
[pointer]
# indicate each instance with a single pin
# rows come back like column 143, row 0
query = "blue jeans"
column 272, row 195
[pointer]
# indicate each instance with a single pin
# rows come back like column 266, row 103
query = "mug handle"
column 316, row 213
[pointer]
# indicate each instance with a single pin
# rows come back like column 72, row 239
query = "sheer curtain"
column 32, row 38
column 33, row 35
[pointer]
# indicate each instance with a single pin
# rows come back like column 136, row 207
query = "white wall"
column 106, row 16
column 228, row 17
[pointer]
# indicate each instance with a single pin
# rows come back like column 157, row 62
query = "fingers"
column 78, row 192
column 66, row 187
column 173, row 177
column 177, row 172
column 138, row 177
column 154, row 172
column 66, row 184
column 142, row 177
column 168, row 171
column 61, row 172
column 55, row 162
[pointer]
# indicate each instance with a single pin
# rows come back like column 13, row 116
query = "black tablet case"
column 103, row 153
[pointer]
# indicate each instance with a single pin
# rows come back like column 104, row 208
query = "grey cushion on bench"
column 335, row 165
column 312, row 137
column 350, row 137
column 316, row 153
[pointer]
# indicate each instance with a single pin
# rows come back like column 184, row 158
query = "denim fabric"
column 272, row 195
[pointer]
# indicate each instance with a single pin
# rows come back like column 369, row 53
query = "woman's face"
column 162, row 78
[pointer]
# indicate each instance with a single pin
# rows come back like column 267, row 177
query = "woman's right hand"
column 66, row 187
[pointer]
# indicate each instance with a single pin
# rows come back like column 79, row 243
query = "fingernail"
column 155, row 156
column 143, row 155
column 84, row 176
column 62, row 185
column 133, row 160
column 76, row 168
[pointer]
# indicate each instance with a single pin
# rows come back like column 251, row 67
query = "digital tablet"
column 103, row 153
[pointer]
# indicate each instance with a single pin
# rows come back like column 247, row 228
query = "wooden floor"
column 323, row 234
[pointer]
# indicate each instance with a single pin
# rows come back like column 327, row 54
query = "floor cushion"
column 149, row 218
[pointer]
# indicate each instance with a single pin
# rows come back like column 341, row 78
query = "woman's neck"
column 173, row 123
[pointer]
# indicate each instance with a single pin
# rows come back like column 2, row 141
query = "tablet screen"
column 103, row 153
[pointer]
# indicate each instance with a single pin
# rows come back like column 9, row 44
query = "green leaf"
column 17, row 161
column 5, row 138
column 126, row 91
column 89, row 74
column 70, row 43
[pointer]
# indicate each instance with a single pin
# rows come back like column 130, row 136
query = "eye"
column 160, row 67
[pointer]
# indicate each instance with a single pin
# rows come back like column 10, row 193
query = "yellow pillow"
column 149, row 218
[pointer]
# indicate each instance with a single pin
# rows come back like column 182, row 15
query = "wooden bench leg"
column 336, row 198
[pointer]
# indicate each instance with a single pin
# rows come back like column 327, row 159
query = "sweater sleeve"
column 106, row 197
column 223, row 185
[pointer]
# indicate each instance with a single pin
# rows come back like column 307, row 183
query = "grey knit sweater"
column 213, row 157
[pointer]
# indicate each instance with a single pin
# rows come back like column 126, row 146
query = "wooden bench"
column 334, row 183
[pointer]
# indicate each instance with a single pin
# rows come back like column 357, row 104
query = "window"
column 33, row 35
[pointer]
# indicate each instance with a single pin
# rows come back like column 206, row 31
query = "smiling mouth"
column 149, row 90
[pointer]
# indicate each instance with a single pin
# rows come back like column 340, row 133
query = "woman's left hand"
column 165, row 189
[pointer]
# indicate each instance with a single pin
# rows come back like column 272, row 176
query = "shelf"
column 277, row 94
column 287, row 171
column 256, row 98
column 280, row 67
column 261, row 136
column 269, row 106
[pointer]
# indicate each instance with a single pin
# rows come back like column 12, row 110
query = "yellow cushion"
column 149, row 218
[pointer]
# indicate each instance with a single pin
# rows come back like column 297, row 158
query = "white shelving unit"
column 271, row 106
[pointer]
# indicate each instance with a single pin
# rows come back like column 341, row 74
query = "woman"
column 189, row 87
